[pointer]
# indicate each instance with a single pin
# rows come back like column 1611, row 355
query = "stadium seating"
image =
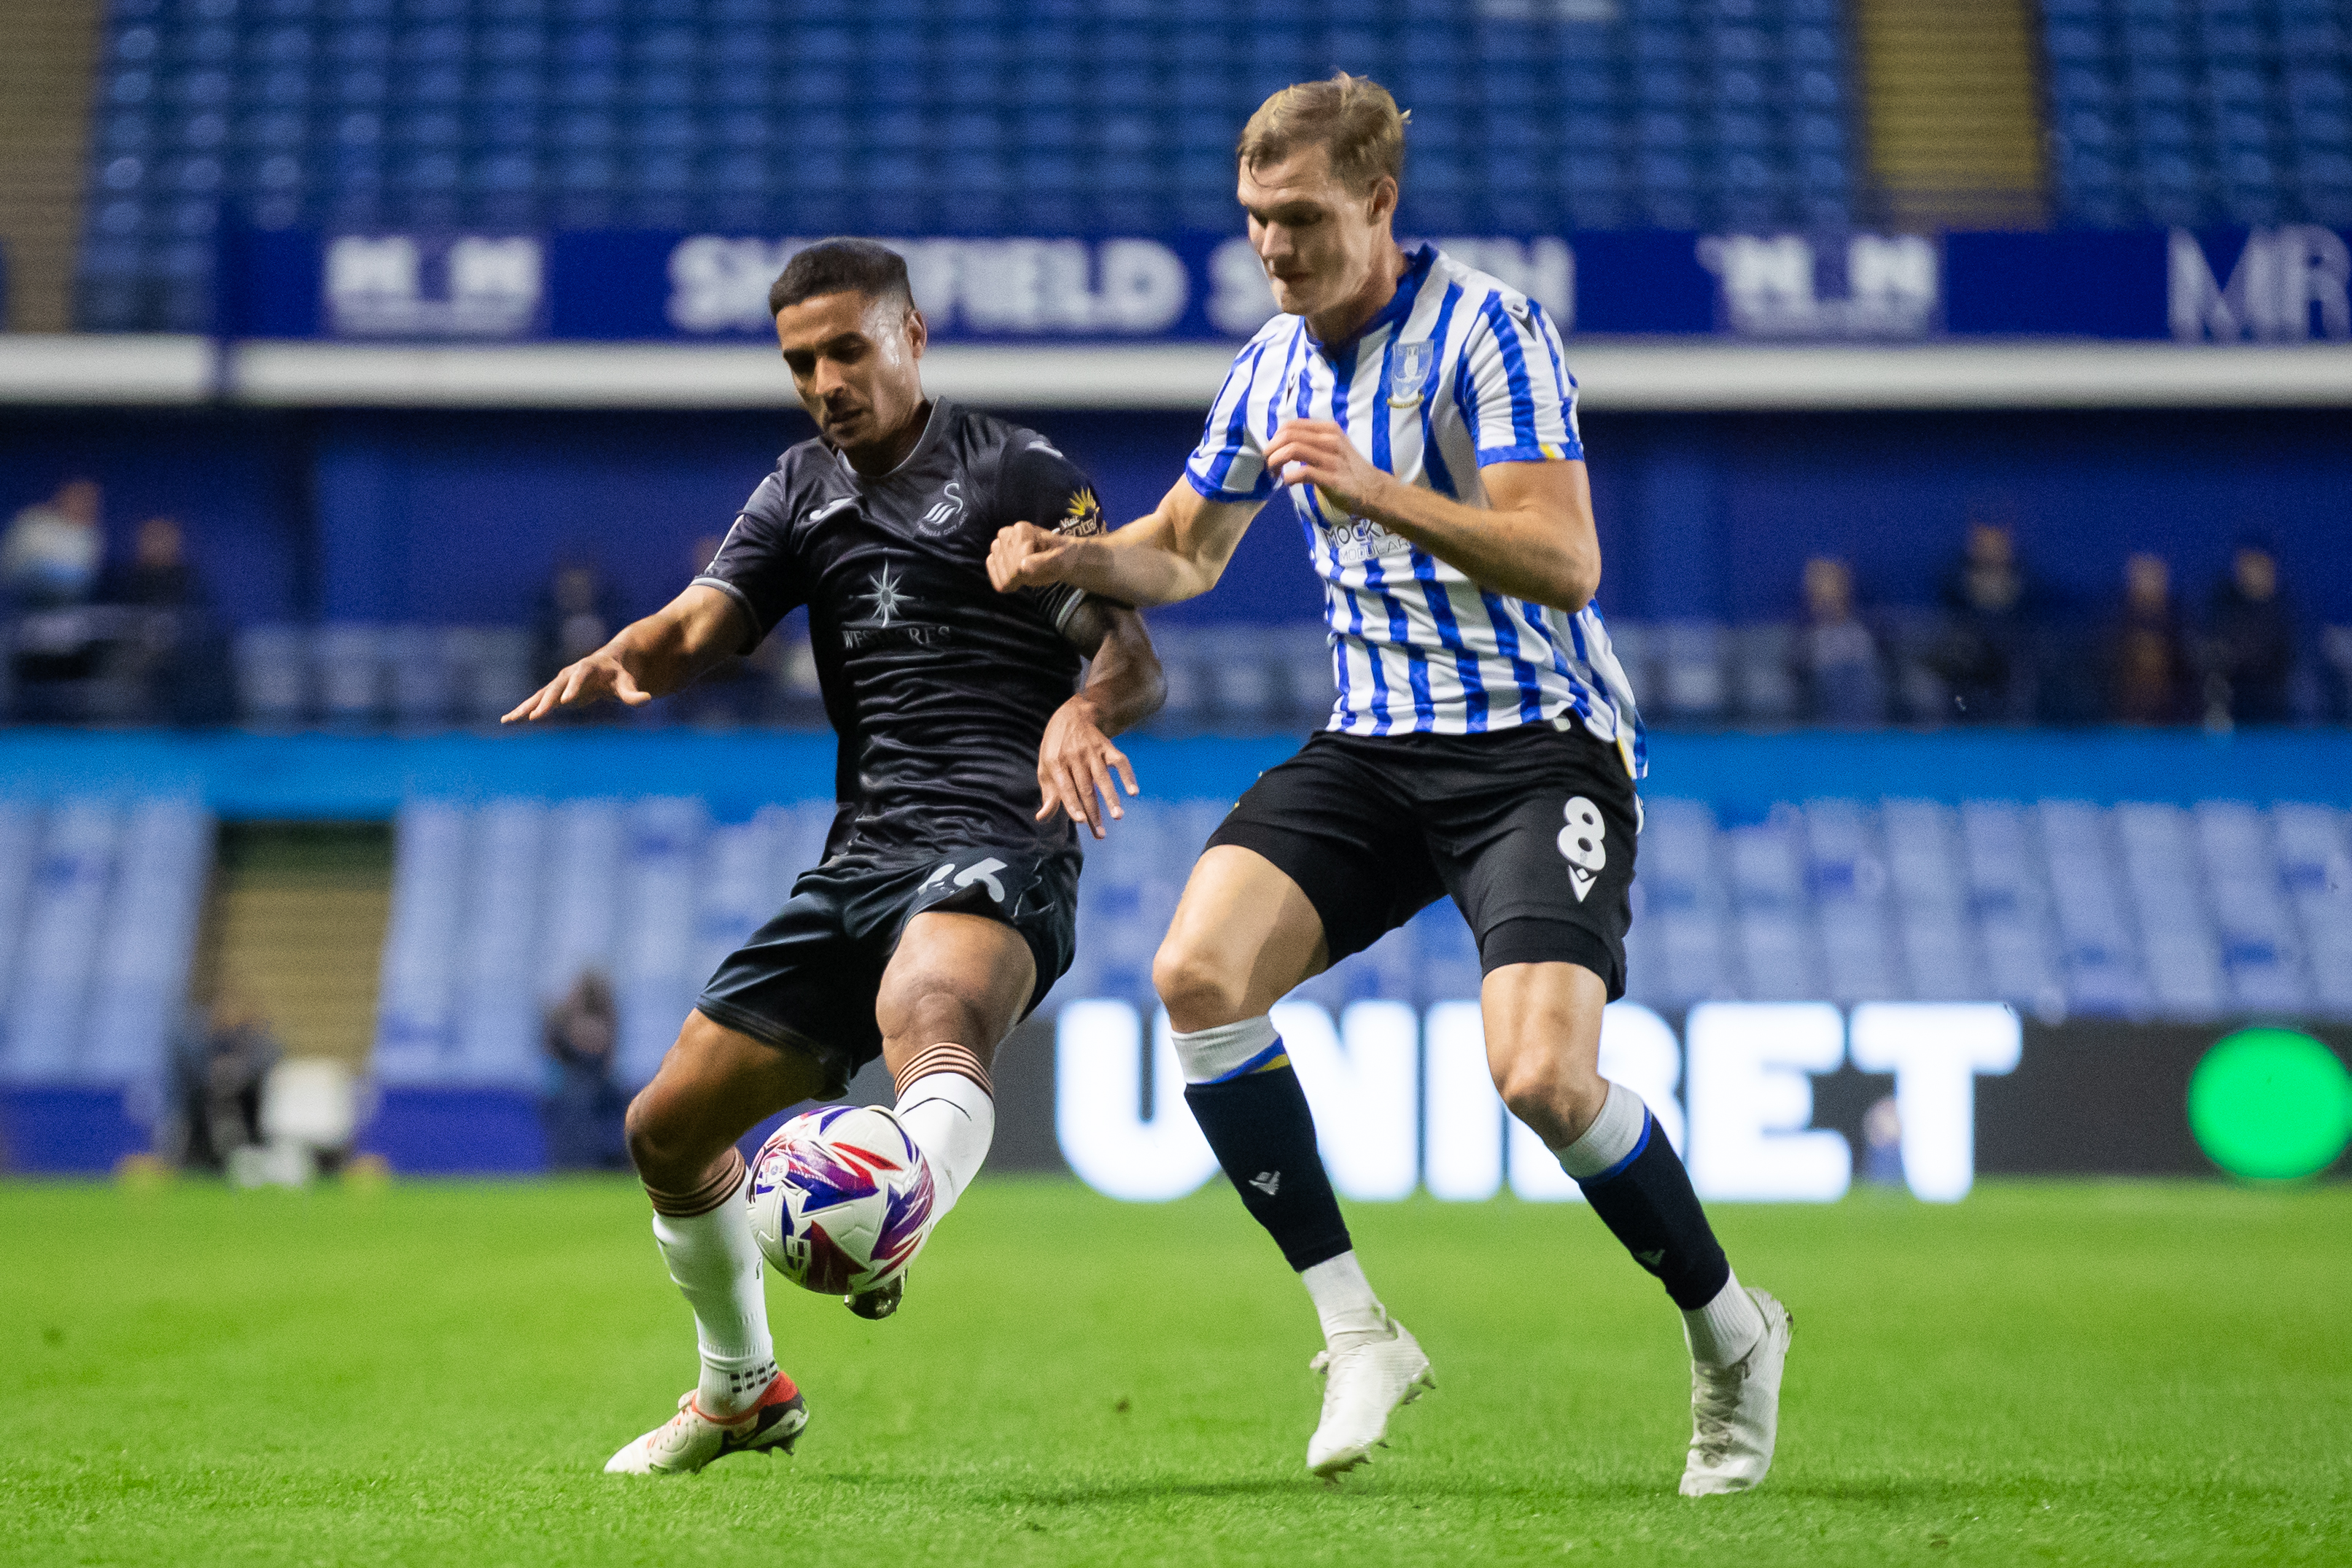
column 976, row 116
column 498, row 909
column 365, row 676
column 2057, row 907
column 2200, row 111
column 98, row 906
column 1238, row 678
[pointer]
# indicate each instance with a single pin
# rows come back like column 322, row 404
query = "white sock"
column 1725, row 1329
column 1612, row 1136
column 951, row 1119
column 717, row 1267
column 1343, row 1299
column 1226, row 1051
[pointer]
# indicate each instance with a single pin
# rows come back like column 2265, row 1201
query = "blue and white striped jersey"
column 1457, row 373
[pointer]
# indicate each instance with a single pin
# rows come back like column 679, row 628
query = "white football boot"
column 1736, row 1409
column 690, row 1439
column 1363, row 1383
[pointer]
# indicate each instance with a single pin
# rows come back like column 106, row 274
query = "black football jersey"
column 939, row 686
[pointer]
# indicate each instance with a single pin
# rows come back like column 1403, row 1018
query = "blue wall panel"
column 459, row 518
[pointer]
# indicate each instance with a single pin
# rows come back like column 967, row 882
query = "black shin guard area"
column 1648, row 1204
column 1263, row 1136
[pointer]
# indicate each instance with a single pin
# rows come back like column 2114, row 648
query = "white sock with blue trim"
column 1228, row 1050
column 1614, row 1133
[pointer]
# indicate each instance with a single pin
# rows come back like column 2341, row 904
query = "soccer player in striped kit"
column 1484, row 743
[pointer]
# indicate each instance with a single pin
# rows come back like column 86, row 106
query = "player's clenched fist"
column 593, row 679
column 1024, row 557
column 1318, row 452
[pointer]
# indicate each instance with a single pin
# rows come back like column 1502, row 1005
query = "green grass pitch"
column 434, row 1374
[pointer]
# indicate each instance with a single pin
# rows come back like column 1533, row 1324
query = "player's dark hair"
column 841, row 267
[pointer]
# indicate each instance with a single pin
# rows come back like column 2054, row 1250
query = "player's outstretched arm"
column 1124, row 687
column 1534, row 541
column 648, row 658
column 1178, row 551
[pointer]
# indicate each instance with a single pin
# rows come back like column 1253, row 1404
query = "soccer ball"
column 840, row 1199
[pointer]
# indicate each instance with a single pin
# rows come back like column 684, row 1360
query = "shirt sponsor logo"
column 1357, row 540
column 1082, row 518
column 888, row 602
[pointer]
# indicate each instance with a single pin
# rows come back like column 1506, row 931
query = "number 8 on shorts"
column 1580, row 844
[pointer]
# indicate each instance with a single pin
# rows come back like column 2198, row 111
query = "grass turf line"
column 434, row 1374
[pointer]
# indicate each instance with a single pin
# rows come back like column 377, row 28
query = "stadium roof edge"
column 1617, row 375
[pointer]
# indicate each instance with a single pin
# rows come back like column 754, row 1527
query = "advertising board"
column 2285, row 284
column 1766, row 1101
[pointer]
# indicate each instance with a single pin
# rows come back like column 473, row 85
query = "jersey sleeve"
column 756, row 564
column 1039, row 486
column 1514, row 388
column 1229, row 465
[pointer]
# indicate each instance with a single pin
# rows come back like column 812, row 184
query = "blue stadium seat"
column 681, row 79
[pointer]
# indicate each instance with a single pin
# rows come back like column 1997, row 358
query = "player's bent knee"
column 662, row 1144
column 1557, row 1097
column 927, row 1015
column 1199, row 992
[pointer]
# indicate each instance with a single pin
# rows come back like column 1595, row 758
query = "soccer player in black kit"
column 945, row 907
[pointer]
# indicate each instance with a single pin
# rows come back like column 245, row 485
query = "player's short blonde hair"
column 1354, row 117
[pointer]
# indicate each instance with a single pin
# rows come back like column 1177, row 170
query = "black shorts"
column 806, row 981
column 1531, row 829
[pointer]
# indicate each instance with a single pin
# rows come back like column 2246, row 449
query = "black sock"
column 1263, row 1136
column 1647, row 1202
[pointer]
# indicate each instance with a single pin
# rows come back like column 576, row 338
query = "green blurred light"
column 2270, row 1104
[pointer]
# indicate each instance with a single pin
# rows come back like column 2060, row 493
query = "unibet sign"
column 1404, row 1101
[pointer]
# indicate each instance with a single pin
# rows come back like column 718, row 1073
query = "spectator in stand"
column 159, row 575
column 1985, row 651
column 584, row 1105
column 1837, row 653
column 172, row 650
column 218, row 1068
column 2147, row 657
column 2251, row 637
column 51, row 553
column 577, row 616
column 49, row 564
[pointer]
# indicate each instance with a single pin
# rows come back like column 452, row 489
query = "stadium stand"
column 2224, row 112
column 1239, row 678
column 213, row 117
column 99, row 907
column 497, row 909
column 2151, row 911
column 357, row 673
